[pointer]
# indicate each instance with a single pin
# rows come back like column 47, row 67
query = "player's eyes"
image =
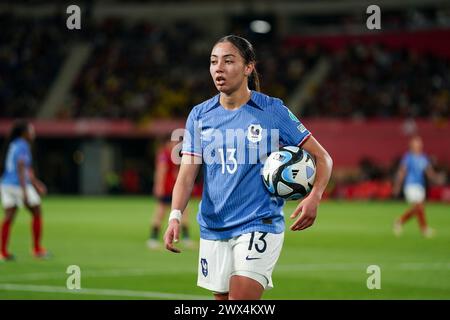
column 226, row 62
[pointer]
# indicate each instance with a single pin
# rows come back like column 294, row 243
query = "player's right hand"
column 172, row 235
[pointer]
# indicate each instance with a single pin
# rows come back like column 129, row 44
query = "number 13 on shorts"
column 253, row 255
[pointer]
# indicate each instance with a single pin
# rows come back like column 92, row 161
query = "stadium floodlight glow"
column 260, row 26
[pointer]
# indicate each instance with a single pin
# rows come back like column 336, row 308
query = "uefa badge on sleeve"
column 301, row 128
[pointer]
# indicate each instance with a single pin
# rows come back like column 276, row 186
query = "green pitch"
column 106, row 238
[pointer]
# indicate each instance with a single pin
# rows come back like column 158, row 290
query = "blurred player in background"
column 241, row 224
column 165, row 176
column 18, row 188
column 414, row 168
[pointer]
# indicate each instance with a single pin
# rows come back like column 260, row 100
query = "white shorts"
column 252, row 255
column 414, row 193
column 12, row 196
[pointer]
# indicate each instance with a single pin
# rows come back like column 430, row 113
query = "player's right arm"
column 400, row 176
column 21, row 170
column 180, row 197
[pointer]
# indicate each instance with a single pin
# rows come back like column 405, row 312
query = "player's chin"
column 219, row 88
column 224, row 89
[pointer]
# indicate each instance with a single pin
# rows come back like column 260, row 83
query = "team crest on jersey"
column 254, row 133
column 204, row 264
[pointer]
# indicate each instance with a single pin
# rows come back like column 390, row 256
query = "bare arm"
column 308, row 207
column 400, row 176
column 37, row 184
column 185, row 183
column 324, row 165
column 434, row 176
column 180, row 197
column 22, row 180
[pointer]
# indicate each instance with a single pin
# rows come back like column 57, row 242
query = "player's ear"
column 249, row 69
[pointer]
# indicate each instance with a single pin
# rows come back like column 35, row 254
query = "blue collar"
column 252, row 103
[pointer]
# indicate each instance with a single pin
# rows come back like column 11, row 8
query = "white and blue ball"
column 289, row 173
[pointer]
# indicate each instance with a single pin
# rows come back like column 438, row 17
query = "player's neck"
column 236, row 99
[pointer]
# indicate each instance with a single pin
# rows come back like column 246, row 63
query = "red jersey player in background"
column 165, row 176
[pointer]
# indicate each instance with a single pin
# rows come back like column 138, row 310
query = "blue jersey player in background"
column 414, row 168
column 18, row 186
column 241, row 224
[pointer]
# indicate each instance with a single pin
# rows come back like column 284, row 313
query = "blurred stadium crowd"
column 140, row 71
column 373, row 81
column 31, row 53
column 134, row 72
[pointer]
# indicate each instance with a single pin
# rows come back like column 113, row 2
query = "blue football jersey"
column 233, row 145
column 415, row 165
column 18, row 149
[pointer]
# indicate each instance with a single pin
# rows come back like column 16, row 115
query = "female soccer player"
column 411, row 174
column 165, row 176
column 241, row 225
column 18, row 187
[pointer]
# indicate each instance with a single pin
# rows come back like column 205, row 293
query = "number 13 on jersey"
column 228, row 156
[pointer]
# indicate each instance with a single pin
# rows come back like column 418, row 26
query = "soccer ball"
column 289, row 173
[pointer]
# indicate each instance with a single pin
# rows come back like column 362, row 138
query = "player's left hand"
column 308, row 209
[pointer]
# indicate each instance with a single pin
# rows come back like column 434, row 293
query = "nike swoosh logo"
column 248, row 258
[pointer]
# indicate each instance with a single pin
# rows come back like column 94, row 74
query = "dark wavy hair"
column 248, row 53
column 18, row 129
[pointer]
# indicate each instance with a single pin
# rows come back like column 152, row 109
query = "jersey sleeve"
column 191, row 140
column 292, row 131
